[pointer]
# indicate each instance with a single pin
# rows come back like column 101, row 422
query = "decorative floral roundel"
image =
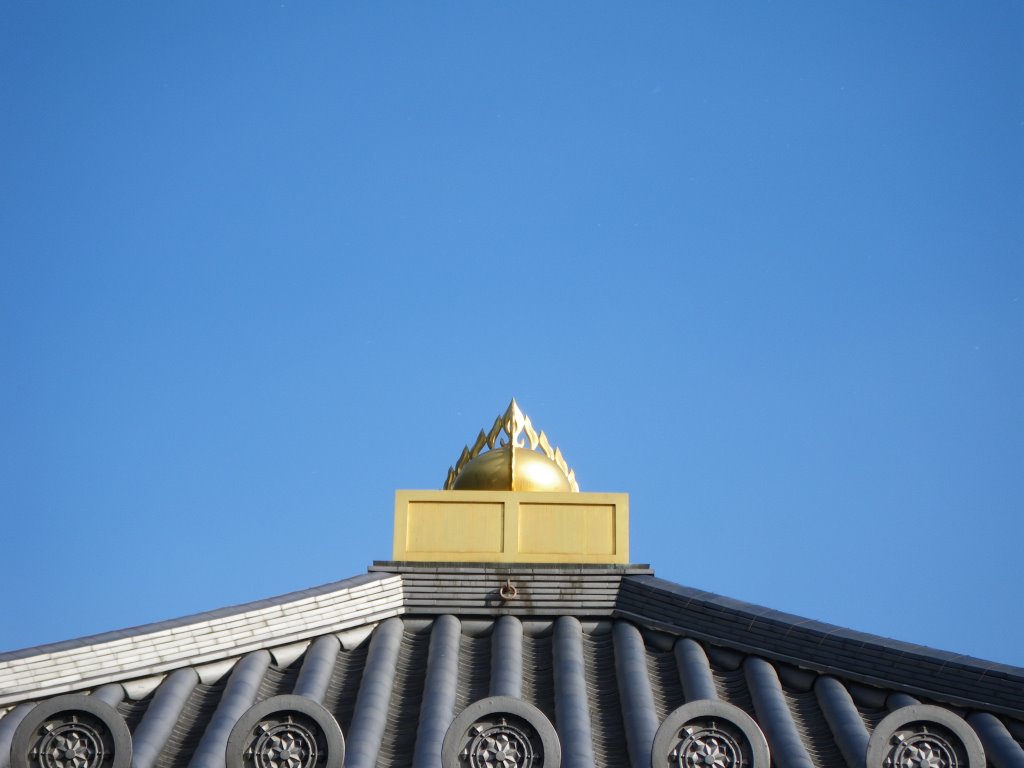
column 921, row 746
column 924, row 736
column 289, row 741
column 73, row 731
column 501, row 732
column 73, row 743
column 502, row 744
column 709, row 734
column 286, row 732
column 707, row 743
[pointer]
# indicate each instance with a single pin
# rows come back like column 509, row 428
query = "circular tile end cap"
column 702, row 709
column 26, row 735
column 307, row 709
column 490, row 707
column 878, row 746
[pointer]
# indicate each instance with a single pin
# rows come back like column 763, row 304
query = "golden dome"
column 511, row 466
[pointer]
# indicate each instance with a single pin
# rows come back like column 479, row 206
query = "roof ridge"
column 186, row 620
column 823, row 647
column 759, row 612
column 200, row 638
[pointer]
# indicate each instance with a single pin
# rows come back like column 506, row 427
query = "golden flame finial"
column 532, row 473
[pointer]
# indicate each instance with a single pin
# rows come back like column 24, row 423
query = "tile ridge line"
column 363, row 583
column 825, row 632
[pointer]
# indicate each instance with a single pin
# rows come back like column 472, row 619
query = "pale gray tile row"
column 188, row 623
column 141, row 655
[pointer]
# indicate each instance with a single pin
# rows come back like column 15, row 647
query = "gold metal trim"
column 513, row 424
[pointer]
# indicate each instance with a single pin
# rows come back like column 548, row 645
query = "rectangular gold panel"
column 511, row 527
column 455, row 527
column 567, row 529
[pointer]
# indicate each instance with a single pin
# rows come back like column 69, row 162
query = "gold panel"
column 511, row 527
column 455, row 527
column 567, row 529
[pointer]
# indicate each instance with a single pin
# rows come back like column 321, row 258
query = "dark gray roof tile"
column 845, row 723
column 8, row 724
column 638, row 711
column 161, row 717
column 112, row 694
column 315, row 674
column 438, row 707
column 572, row 713
column 897, row 700
column 371, row 710
column 999, row 744
column 774, row 715
column 507, row 658
column 694, row 670
column 240, row 693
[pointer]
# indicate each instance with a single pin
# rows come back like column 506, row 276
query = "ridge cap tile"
column 831, row 632
column 186, row 622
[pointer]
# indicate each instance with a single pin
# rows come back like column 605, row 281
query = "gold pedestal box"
column 511, row 527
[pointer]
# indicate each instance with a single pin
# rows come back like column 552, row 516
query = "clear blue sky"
column 760, row 266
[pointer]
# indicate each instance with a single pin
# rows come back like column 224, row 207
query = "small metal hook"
column 508, row 590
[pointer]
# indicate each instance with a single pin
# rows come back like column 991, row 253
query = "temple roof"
column 509, row 631
column 605, row 653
